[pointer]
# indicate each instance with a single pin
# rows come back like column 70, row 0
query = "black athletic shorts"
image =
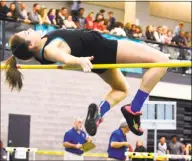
column 104, row 52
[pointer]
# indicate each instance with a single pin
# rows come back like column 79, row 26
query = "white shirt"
column 118, row 32
column 69, row 24
column 162, row 149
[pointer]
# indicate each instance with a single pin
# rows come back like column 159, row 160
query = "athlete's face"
column 30, row 35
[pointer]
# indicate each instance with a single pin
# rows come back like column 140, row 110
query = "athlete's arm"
column 53, row 53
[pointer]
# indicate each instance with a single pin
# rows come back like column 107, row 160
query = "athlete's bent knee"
column 125, row 91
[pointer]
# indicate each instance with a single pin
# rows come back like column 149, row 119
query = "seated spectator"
column 178, row 28
column 112, row 21
column 102, row 12
column 127, row 29
column 89, row 20
column 188, row 39
column 106, row 24
column 168, row 37
column 158, row 34
column 43, row 16
column 33, row 15
column 64, row 13
column 118, row 30
column 81, row 20
column 138, row 32
column 59, row 20
column 133, row 29
column 52, row 16
column 23, row 10
column 180, row 39
column 12, row 11
column 99, row 26
column 69, row 23
column 3, row 9
column 149, row 33
column 164, row 33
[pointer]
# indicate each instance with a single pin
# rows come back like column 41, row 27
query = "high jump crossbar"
column 108, row 66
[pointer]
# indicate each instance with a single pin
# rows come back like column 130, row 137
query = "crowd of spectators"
column 174, row 146
column 75, row 18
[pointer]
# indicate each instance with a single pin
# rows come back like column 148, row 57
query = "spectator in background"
column 102, row 12
column 188, row 39
column 184, row 151
column 44, row 16
column 81, row 20
column 158, row 34
column 89, row 21
column 73, row 141
column 3, row 9
column 118, row 30
column 127, row 29
column 106, row 24
column 168, row 37
column 138, row 32
column 164, row 33
column 12, row 11
column 189, row 148
column 162, row 146
column 23, row 10
column 99, row 26
column 52, row 16
column 69, row 23
column 174, row 146
column 3, row 152
column 139, row 148
column 149, row 33
column 133, row 28
column 34, row 14
column 178, row 29
column 118, row 142
column 74, row 9
column 180, row 39
column 112, row 21
column 64, row 13
column 59, row 20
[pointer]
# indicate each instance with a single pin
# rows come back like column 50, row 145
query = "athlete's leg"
column 131, row 52
column 119, row 86
column 119, row 91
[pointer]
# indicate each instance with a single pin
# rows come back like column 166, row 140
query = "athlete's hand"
column 85, row 63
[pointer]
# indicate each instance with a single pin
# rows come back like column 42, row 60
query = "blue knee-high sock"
column 139, row 100
column 104, row 108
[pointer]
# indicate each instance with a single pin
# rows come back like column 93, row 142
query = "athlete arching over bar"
column 84, row 48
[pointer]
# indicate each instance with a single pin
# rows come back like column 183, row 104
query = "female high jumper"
column 82, row 49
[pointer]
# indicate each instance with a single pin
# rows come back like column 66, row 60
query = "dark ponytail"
column 19, row 48
column 13, row 75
